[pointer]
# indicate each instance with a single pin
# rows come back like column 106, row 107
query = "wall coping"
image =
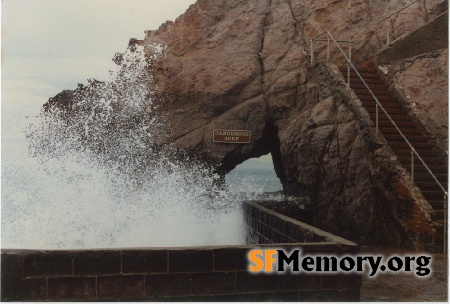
column 330, row 238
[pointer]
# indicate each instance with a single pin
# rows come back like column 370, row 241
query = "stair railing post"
column 312, row 52
column 412, row 166
column 376, row 119
column 348, row 63
column 328, row 48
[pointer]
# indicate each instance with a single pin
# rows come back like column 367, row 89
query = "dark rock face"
column 245, row 65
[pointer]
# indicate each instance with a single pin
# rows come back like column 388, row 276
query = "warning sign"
column 232, row 136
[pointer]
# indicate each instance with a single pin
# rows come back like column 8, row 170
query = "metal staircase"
column 427, row 167
column 436, row 162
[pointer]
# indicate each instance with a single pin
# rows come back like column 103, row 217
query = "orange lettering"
column 270, row 260
column 257, row 263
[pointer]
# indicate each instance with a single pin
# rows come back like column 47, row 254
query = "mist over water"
column 92, row 177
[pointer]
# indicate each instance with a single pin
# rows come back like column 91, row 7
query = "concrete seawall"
column 213, row 273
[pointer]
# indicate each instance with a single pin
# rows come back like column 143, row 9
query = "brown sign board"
column 232, row 136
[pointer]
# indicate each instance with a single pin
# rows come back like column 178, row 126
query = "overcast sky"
column 51, row 45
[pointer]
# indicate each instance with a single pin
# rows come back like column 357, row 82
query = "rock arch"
column 244, row 65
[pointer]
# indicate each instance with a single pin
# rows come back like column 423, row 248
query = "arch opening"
column 256, row 168
column 254, row 175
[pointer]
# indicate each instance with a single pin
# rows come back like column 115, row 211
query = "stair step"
column 431, row 163
column 434, row 167
column 383, row 122
column 437, row 195
column 424, row 153
column 378, row 93
column 356, row 79
column 437, row 205
column 356, row 82
column 443, row 181
column 422, row 177
column 364, row 75
column 437, row 163
column 417, row 169
column 381, row 99
column 436, row 188
column 428, row 158
column 431, row 184
column 442, row 222
column 393, row 134
column 372, row 86
column 371, row 104
column 440, row 214
column 393, row 114
column 397, row 118
column 412, row 138
column 442, row 178
column 371, row 107
column 390, row 111
column 420, row 169
column 402, row 144
column 360, row 70
column 407, row 132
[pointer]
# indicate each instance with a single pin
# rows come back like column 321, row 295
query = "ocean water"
column 94, row 180
column 258, row 178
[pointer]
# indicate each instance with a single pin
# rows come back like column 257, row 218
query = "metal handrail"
column 378, row 104
column 319, row 35
column 396, row 12
column 328, row 50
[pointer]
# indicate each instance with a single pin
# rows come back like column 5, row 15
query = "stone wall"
column 265, row 226
column 195, row 274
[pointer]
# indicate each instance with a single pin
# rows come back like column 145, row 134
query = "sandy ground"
column 409, row 287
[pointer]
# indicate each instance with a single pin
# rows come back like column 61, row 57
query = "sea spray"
column 95, row 176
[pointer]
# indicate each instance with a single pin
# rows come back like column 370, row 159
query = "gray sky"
column 51, row 45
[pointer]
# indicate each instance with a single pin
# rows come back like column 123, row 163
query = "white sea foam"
column 95, row 179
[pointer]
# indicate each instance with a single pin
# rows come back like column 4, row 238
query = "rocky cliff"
column 245, row 65
column 422, row 82
column 222, row 58
column 416, row 67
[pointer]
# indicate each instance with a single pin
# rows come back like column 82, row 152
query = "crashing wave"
column 97, row 178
